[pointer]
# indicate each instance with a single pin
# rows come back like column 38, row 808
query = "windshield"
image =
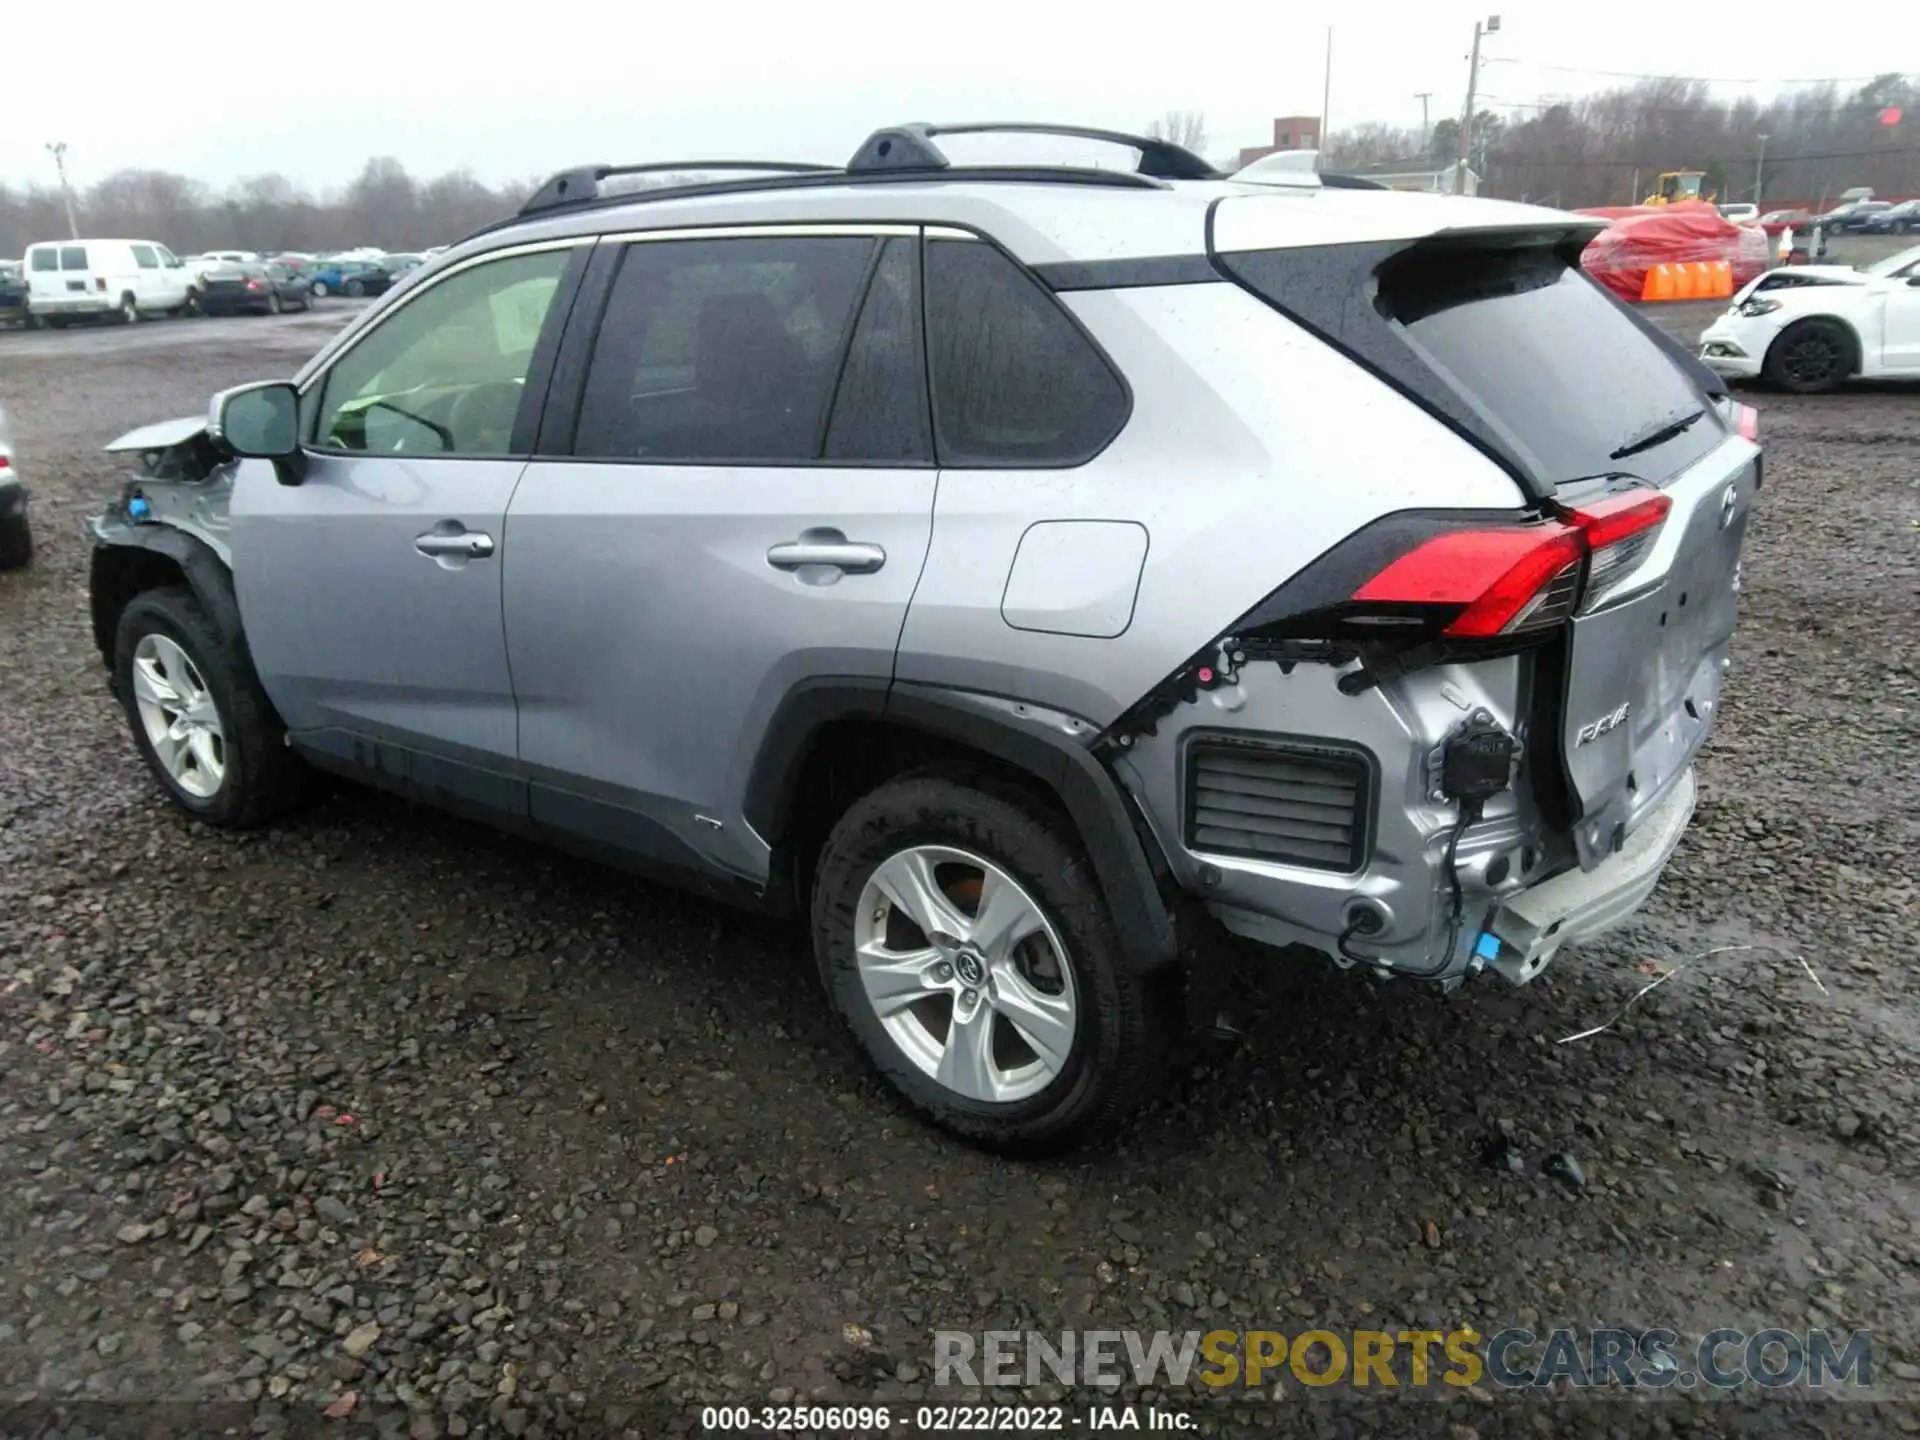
column 1895, row 264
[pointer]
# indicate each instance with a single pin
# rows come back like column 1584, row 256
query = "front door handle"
column 460, row 544
column 828, row 549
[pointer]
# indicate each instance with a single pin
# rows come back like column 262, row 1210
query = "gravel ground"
column 382, row 1112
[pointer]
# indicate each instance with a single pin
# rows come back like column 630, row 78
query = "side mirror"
column 261, row 422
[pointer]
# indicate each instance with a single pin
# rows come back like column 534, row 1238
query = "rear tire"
column 16, row 541
column 1811, row 356
column 355, row 289
column 129, row 310
column 1068, row 977
column 242, row 774
column 274, row 306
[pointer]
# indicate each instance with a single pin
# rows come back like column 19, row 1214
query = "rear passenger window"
column 144, row 257
column 45, row 260
column 880, row 411
column 1015, row 382
column 728, row 349
column 73, row 257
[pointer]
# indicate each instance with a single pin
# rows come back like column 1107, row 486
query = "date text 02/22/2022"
column 832, row 1420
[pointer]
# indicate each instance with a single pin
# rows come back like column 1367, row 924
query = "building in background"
column 1290, row 132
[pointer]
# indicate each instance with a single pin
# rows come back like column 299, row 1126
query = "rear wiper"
column 1659, row 435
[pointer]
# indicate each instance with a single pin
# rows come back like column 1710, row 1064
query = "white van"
column 128, row 278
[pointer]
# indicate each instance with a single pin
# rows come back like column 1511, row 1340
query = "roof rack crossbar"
column 912, row 147
column 582, row 183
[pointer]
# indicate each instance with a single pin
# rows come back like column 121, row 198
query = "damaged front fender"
column 169, row 525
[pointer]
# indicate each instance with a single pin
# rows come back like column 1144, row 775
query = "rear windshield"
column 1552, row 362
column 1511, row 346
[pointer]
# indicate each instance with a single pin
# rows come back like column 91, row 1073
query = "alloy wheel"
column 966, row 974
column 179, row 715
column 1812, row 359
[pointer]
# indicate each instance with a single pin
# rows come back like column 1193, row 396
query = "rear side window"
column 45, row 260
column 1015, row 381
column 73, row 257
column 880, row 410
column 144, row 257
column 718, row 350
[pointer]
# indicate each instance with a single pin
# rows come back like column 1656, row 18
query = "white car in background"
column 1810, row 328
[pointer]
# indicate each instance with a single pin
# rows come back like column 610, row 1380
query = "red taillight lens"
column 253, row 284
column 1619, row 531
column 1523, row 578
column 1504, row 578
column 1750, row 424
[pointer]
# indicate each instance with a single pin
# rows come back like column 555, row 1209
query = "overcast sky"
column 518, row 89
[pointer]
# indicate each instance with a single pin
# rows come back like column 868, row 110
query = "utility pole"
column 1760, row 171
column 1326, row 89
column 1426, row 130
column 58, row 149
column 1490, row 26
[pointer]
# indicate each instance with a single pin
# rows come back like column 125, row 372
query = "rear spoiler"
column 1298, row 170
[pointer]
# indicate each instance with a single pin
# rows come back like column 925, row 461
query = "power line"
column 1704, row 79
column 1577, row 102
column 1773, row 161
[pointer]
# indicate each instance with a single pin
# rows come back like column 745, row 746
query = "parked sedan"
column 350, row 277
column 1900, row 219
column 1854, row 217
column 264, row 289
column 13, row 294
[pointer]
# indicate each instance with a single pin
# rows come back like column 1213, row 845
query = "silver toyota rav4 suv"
column 1012, row 570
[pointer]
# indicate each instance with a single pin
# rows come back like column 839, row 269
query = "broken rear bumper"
column 1528, row 930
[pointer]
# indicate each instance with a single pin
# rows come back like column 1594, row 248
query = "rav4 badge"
column 1594, row 729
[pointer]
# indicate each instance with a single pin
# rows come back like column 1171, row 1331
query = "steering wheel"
column 482, row 418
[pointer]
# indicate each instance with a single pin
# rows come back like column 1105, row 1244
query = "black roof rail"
column 578, row 196
column 582, row 183
column 911, row 147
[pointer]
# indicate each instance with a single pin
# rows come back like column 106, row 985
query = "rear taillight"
column 1619, row 531
column 1522, row 579
column 1750, row 424
column 1503, row 581
column 253, row 284
column 100, row 282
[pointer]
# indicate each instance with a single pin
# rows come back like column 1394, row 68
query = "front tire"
column 962, row 936
column 1811, row 356
column 319, row 287
column 16, row 541
column 199, row 716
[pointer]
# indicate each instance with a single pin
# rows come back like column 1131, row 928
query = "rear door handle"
column 461, row 544
column 828, row 548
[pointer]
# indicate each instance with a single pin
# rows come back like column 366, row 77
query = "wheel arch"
column 130, row 559
column 833, row 739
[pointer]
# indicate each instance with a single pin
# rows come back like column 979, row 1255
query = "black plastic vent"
column 1295, row 804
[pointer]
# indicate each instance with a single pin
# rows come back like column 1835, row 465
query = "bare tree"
column 1187, row 128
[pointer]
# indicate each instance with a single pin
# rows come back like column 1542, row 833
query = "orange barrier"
column 1690, row 280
